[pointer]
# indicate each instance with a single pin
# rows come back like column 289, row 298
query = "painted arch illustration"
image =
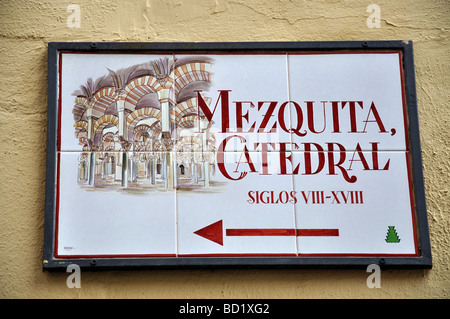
column 139, row 127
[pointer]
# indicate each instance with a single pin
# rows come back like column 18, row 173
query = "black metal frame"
column 424, row 259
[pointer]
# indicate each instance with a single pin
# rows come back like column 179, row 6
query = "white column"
column 123, row 129
column 91, row 178
column 123, row 132
column 164, row 95
column 153, row 171
column 124, row 169
column 169, row 171
column 91, row 157
column 205, row 150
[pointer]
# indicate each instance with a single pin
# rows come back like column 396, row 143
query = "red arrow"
column 214, row 232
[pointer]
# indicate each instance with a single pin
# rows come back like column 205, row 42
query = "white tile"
column 243, row 94
column 78, row 69
column 348, row 99
column 240, row 199
column 361, row 208
column 107, row 218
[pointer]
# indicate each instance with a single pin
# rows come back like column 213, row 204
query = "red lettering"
column 223, row 97
column 265, row 162
column 377, row 120
column 362, row 159
column 332, row 165
column 321, row 158
column 299, row 117
column 352, row 105
column 240, row 116
column 267, row 116
column 310, row 108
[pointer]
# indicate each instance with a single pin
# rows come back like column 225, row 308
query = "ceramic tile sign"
column 173, row 155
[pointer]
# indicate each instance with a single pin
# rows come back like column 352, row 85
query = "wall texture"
column 27, row 26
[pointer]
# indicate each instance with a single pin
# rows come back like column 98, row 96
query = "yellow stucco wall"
column 27, row 26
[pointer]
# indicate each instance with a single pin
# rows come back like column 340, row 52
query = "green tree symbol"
column 392, row 236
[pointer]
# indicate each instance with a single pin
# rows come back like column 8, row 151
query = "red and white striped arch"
column 191, row 72
column 146, row 112
column 104, row 121
column 102, row 99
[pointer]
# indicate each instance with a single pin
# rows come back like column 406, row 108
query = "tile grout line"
column 238, row 151
column 176, row 190
column 290, row 123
